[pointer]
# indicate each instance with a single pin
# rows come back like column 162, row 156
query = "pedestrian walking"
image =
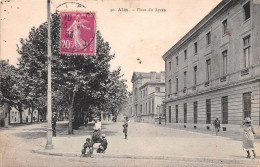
column 248, row 137
column 86, row 121
column 87, row 145
column 53, row 123
column 103, row 146
column 125, row 126
column 216, row 124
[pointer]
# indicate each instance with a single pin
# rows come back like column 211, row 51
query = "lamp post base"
column 49, row 147
column 49, row 144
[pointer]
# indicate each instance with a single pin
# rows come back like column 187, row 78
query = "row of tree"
column 81, row 85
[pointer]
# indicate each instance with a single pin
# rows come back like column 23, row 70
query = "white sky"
column 131, row 35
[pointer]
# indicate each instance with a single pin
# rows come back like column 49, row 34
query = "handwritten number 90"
column 69, row 34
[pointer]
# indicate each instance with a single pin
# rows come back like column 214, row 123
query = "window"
column 170, row 114
column 146, row 107
column 208, row 111
column 185, row 80
column 208, row 70
column 195, row 48
column 208, row 38
column 225, row 63
column 185, row 112
column 224, row 24
column 177, row 84
column 224, row 101
column 247, row 104
column 141, row 108
column 246, row 41
column 170, row 65
column 146, row 91
column 185, row 54
column 247, row 10
column 135, row 95
column 177, row 114
column 195, row 112
column 177, row 60
column 152, row 105
column 141, row 94
column 195, row 75
column 157, row 89
column 149, row 106
column 170, row 86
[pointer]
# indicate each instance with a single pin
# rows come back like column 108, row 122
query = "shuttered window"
column 247, row 104
column 195, row 112
column 177, row 114
column 185, row 112
column 224, row 102
column 208, row 111
column 170, row 114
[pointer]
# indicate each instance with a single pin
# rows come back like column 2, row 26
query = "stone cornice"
column 194, row 31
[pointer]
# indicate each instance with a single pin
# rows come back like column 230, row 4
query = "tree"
column 79, row 83
column 7, row 82
column 33, row 69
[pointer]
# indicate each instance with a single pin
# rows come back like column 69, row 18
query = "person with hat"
column 216, row 124
column 86, row 145
column 248, row 137
column 103, row 146
column 53, row 123
column 125, row 126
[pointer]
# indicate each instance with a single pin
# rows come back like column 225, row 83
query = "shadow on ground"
column 62, row 130
column 31, row 135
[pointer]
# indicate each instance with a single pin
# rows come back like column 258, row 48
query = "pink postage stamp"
column 77, row 35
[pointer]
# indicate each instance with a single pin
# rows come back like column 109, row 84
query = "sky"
column 144, row 29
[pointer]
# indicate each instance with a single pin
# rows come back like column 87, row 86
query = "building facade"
column 214, row 70
column 148, row 92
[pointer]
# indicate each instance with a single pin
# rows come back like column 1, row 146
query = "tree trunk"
column 7, row 115
column 38, row 116
column 70, row 130
column 31, row 112
column 21, row 115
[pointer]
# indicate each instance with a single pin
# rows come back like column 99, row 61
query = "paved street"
column 145, row 140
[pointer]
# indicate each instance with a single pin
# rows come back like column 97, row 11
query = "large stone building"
column 214, row 70
column 148, row 92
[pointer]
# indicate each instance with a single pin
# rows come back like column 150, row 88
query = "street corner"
column 238, row 161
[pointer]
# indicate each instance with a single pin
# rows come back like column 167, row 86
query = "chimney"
column 153, row 75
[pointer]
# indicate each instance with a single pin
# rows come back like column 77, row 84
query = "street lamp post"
column 49, row 128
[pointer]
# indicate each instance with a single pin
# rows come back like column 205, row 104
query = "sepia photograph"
column 130, row 83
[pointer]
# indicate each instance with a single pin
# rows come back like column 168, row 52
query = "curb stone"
column 165, row 157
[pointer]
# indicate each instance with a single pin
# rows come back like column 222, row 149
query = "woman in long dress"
column 248, row 137
column 75, row 28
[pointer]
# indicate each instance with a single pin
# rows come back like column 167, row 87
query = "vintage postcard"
column 126, row 83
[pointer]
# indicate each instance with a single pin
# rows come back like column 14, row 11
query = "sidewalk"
column 149, row 141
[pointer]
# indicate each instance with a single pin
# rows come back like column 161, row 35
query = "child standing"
column 125, row 126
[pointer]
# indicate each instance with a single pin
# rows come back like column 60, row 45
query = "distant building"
column 214, row 70
column 148, row 92
column 128, row 107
